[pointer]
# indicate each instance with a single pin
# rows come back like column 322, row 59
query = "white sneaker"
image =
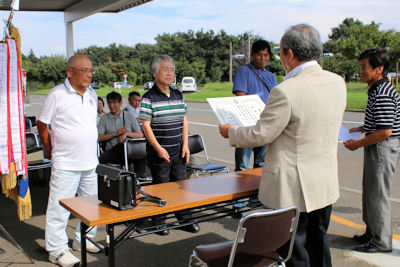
column 76, row 245
column 64, row 259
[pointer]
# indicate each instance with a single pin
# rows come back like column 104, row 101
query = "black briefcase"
column 116, row 187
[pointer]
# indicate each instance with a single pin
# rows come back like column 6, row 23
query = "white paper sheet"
column 345, row 135
column 237, row 110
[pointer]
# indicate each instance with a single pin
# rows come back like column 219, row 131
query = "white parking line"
column 214, row 125
column 354, row 122
column 348, row 189
column 204, row 124
column 198, row 109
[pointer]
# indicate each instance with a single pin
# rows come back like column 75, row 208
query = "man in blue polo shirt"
column 254, row 79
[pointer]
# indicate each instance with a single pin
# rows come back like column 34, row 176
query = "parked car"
column 94, row 85
column 148, row 85
column 189, row 84
column 121, row 85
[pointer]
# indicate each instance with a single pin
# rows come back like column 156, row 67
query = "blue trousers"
column 242, row 157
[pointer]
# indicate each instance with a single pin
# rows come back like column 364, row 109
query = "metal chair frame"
column 138, row 147
column 196, row 145
column 46, row 162
column 242, row 231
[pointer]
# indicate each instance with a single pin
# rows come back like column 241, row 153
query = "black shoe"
column 193, row 228
column 159, row 223
column 361, row 238
column 163, row 232
column 371, row 248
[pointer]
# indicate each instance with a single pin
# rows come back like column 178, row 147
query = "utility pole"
column 230, row 62
column 397, row 75
column 248, row 52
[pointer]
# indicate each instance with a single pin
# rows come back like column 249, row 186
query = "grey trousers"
column 380, row 162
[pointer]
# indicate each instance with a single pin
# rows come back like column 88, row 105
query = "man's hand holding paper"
column 224, row 129
column 352, row 134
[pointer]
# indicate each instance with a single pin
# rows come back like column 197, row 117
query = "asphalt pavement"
column 174, row 249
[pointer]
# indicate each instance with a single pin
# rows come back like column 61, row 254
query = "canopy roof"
column 74, row 9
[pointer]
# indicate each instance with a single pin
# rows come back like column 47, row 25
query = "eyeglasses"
column 85, row 70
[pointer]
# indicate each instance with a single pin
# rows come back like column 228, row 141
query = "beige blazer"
column 300, row 124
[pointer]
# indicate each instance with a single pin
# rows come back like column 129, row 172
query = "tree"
column 132, row 77
column 349, row 40
column 104, row 75
column 52, row 69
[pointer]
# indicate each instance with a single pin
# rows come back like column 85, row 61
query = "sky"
column 44, row 32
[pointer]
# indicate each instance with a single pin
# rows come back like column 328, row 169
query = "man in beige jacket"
column 300, row 124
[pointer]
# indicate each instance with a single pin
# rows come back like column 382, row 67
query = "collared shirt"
column 246, row 81
column 383, row 108
column 166, row 115
column 108, row 123
column 299, row 68
column 72, row 118
column 135, row 111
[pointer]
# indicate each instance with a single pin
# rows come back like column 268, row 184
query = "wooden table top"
column 179, row 195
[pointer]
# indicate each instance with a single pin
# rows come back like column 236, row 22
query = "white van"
column 189, row 84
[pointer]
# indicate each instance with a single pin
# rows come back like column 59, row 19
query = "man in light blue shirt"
column 254, row 79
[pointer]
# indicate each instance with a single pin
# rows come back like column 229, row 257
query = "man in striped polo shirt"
column 381, row 151
column 166, row 129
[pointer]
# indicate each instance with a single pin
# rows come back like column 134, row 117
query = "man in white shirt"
column 71, row 111
column 134, row 104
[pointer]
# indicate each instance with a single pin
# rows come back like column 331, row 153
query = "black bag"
column 116, row 187
column 119, row 188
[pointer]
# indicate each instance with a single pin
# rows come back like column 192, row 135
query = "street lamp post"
column 237, row 56
column 230, row 62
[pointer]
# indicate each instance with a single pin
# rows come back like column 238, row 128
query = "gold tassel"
column 14, row 33
column 24, row 206
column 9, row 181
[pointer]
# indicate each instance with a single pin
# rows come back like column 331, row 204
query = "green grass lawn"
column 103, row 91
column 356, row 93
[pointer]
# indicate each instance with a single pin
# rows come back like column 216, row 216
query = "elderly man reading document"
column 300, row 124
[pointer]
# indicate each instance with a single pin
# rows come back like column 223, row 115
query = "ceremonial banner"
column 13, row 160
column 4, row 150
column 12, row 123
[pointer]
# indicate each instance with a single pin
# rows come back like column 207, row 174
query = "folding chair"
column 196, row 145
column 35, row 152
column 135, row 149
column 257, row 239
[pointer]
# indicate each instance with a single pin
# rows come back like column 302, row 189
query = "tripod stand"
column 11, row 239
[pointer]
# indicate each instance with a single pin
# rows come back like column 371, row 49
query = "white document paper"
column 345, row 135
column 237, row 110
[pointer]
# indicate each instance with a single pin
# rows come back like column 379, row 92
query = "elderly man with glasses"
column 71, row 111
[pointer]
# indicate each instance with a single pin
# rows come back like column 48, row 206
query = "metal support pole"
column 69, row 39
column 12, row 240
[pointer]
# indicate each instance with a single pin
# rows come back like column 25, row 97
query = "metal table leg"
column 110, row 245
column 84, row 229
